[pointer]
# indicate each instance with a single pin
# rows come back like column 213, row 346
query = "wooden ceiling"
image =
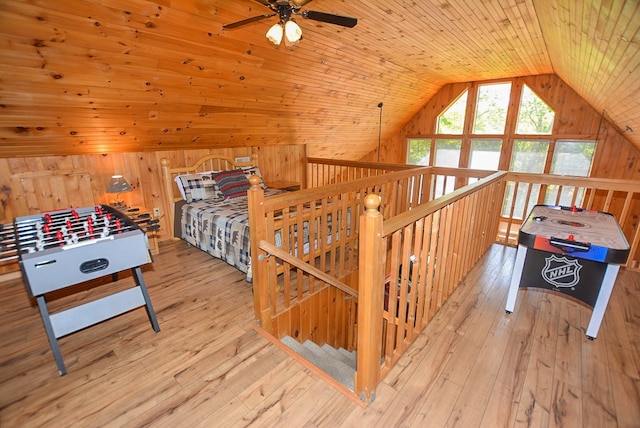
column 136, row 75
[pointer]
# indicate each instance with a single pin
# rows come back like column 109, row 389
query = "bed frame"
column 206, row 163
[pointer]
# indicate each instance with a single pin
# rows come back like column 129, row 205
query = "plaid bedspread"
column 221, row 228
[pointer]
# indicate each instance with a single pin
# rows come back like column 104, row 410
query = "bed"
column 208, row 206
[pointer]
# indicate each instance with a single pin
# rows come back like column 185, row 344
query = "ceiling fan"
column 286, row 26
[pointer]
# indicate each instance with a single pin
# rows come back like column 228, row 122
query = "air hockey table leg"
column 516, row 276
column 604, row 294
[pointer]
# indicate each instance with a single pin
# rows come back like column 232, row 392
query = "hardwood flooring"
column 474, row 365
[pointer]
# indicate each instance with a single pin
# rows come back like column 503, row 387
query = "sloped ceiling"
column 114, row 75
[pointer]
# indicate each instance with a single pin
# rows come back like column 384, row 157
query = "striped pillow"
column 232, row 184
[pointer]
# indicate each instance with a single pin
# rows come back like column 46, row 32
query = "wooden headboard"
column 204, row 164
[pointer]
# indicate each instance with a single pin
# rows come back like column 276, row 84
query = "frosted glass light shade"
column 293, row 31
column 275, row 34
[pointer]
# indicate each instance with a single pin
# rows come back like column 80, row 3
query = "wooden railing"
column 320, row 228
column 428, row 251
column 321, row 172
column 396, row 251
column 618, row 197
column 410, row 266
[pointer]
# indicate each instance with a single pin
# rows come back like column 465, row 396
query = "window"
column 419, row 152
column 451, row 121
column 485, row 153
column 491, row 108
column 448, row 152
column 478, row 141
column 534, row 115
column 570, row 157
column 573, row 157
column 527, row 156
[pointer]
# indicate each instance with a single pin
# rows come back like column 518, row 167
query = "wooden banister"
column 370, row 305
column 271, row 249
column 261, row 307
column 408, row 244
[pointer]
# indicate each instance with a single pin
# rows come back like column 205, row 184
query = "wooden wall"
column 34, row 184
column 615, row 156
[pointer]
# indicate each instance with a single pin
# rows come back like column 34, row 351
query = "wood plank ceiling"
column 135, row 75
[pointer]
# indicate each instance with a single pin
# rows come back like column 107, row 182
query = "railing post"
column 370, row 300
column 168, row 191
column 255, row 200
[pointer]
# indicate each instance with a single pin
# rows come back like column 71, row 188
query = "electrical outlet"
column 243, row 159
column 156, row 212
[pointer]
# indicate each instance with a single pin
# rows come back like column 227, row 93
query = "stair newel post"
column 255, row 201
column 370, row 299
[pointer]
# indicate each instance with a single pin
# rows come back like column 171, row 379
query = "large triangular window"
column 534, row 115
column 451, row 121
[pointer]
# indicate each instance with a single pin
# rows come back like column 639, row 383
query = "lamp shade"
column 275, row 34
column 292, row 31
column 118, row 184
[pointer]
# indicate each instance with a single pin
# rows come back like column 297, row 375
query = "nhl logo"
column 561, row 272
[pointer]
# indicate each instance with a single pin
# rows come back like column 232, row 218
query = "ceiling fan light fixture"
column 286, row 26
column 292, row 31
column 275, row 34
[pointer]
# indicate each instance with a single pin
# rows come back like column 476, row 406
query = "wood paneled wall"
column 615, row 156
column 34, row 184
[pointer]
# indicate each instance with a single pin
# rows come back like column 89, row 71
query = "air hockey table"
column 573, row 251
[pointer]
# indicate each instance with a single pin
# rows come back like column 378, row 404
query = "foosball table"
column 59, row 249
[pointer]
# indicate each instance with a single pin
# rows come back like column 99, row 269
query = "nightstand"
column 284, row 185
column 145, row 219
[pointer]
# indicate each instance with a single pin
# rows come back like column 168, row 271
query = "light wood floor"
column 473, row 366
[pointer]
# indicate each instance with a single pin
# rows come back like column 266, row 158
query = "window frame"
column 509, row 137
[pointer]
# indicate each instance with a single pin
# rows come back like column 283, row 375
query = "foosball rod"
column 72, row 227
column 57, row 214
column 4, row 258
column 74, row 224
column 55, row 240
column 8, row 254
column 62, row 221
column 52, row 236
column 63, row 215
column 6, row 229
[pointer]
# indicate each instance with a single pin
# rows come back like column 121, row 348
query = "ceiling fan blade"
column 247, row 21
column 345, row 21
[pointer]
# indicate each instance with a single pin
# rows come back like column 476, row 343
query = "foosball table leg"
column 53, row 341
column 137, row 275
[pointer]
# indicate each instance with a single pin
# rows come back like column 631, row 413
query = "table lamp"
column 118, row 184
